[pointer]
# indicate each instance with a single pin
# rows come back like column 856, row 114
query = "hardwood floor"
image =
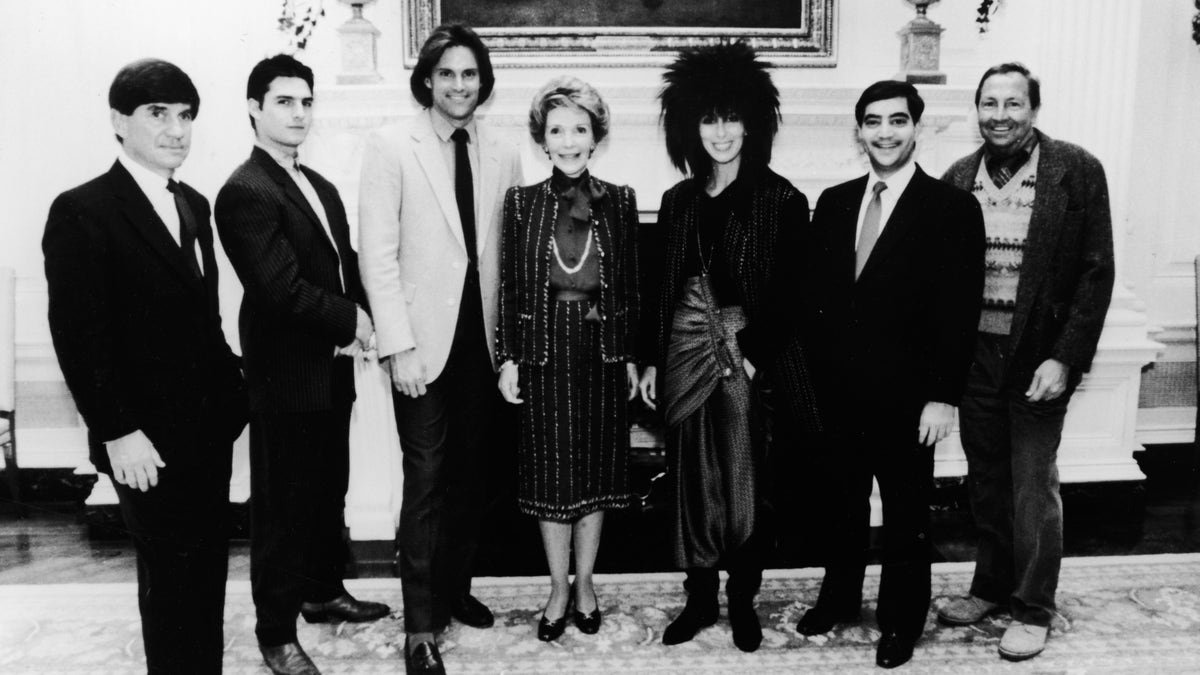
column 1159, row 515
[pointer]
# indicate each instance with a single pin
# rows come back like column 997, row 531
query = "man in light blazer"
column 897, row 264
column 302, row 321
column 1049, row 282
column 430, row 212
column 136, row 325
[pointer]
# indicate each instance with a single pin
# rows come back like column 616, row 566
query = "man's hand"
column 749, row 368
column 355, row 348
column 1049, row 381
column 937, row 419
column 509, row 383
column 408, row 372
column 134, row 461
column 648, row 385
column 631, row 375
column 364, row 330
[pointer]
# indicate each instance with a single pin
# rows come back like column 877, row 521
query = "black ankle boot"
column 701, row 610
column 743, row 619
column 696, row 614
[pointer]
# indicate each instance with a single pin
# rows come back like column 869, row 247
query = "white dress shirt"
column 161, row 199
column 896, row 183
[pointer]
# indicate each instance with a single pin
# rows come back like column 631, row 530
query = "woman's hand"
column 632, row 376
column 648, row 386
column 749, row 368
column 509, row 378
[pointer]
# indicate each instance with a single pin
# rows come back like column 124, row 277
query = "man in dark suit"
column 897, row 268
column 302, row 321
column 137, row 328
column 1049, row 282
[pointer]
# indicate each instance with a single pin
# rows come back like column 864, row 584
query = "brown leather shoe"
column 343, row 608
column 288, row 659
column 423, row 659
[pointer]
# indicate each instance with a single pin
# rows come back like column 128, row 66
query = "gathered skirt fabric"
column 574, row 455
column 710, row 451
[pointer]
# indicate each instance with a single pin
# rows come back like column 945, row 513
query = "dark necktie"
column 870, row 229
column 464, row 191
column 187, row 226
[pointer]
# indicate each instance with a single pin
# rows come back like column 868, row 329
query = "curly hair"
column 725, row 79
column 568, row 92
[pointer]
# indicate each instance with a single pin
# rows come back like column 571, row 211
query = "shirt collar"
column 895, row 182
column 152, row 184
column 443, row 128
column 287, row 160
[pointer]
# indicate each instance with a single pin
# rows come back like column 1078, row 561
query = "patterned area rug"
column 1119, row 615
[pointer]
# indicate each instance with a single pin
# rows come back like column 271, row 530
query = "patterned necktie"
column 870, row 229
column 187, row 226
column 464, row 191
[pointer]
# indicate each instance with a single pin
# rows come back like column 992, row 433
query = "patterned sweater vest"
column 1006, row 214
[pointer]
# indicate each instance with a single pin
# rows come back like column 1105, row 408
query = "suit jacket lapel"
column 1049, row 204
column 489, row 177
column 601, row 226
column 136, row 208
column 289, row 188
column 433, row 162
column 845, row 233
column 339, row 229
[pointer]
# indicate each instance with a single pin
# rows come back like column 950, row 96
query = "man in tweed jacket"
column 1048, row 284
column 302, row 318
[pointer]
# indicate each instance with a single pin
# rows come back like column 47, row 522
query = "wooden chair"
column 8, row 398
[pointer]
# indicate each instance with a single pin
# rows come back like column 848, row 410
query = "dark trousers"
column 889, row 451
column 745, row 567
column 180, row 532
column 442, row 438
column 1012, row 454
column 299, row 474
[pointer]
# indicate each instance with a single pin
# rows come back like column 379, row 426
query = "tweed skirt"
column 574, row 454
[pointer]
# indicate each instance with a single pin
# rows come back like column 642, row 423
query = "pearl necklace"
column 587, row 248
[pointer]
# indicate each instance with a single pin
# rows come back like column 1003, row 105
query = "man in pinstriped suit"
column 302, row 319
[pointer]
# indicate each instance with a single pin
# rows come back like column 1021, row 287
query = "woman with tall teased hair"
column 568, row 312
column 727, row 232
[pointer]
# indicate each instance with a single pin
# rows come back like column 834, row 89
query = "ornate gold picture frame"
column 630, row 32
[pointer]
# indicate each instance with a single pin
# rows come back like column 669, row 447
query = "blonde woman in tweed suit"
column 568, row 307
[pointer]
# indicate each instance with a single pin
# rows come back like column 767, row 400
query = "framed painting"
column 630, row 32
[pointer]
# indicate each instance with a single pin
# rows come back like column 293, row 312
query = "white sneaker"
column 1023, row 641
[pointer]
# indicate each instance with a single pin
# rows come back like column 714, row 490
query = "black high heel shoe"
column 549, row 631
column 589, row 623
